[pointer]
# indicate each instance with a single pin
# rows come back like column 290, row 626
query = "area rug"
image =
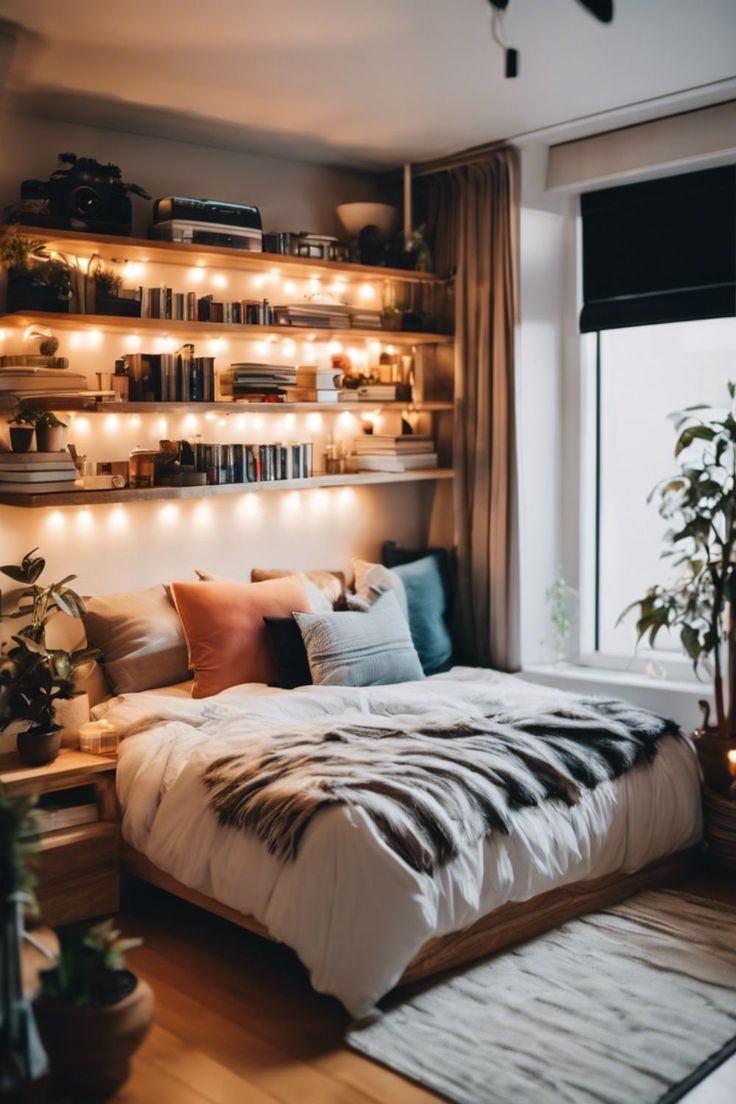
column 632, row 1004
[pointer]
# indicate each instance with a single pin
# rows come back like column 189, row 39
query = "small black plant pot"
column 117, row 306
column 36, row 749
column 24, row 296
column 21, row 437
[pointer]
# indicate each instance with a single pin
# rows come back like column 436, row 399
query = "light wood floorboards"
column 237, row 1022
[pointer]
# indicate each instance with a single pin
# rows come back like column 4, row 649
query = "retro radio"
column 207, row 222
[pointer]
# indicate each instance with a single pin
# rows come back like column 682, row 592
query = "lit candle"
column 731, row 759
column 98, row 737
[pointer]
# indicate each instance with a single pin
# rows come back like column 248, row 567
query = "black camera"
column 85, row 195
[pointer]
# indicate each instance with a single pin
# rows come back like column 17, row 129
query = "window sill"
column 673, row 698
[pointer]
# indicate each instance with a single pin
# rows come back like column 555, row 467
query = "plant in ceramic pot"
column 37, row 279
column 93, row 1013
column 50, row 432
column 34, row 677
column 22, row 1058
column 22, row 428
column 699, row 503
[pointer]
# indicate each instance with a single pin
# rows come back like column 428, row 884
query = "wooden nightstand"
column 78, row 867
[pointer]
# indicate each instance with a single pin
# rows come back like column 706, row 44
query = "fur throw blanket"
column 433, row 787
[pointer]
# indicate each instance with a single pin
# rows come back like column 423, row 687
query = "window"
column 636, row 377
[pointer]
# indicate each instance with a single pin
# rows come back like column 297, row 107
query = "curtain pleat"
column 475, row 213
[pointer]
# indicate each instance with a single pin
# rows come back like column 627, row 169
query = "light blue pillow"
column 360, row 649
column 427, row 604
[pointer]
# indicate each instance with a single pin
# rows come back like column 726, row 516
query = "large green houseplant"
column 34, row 677
column 699, row 503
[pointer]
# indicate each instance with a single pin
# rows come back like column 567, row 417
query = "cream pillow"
column 372, row 579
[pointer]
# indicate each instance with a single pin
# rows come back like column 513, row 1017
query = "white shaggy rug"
column 633, row 1004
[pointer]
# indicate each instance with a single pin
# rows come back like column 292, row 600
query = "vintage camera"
column 85, row 195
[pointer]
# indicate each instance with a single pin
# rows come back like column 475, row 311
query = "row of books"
column 254, row 463
column 170, row 377
column 181, row 306
column 409, row 452
column 41, row 472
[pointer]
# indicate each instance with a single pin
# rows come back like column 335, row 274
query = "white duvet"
column 353, row 911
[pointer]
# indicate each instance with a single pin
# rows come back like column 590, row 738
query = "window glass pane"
column 646, row 373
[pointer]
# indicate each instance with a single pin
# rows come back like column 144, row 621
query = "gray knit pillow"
column 360, row 649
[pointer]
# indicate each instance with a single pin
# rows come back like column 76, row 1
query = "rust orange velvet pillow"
column 223, row 625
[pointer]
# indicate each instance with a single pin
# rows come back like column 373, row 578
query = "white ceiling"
column 363, row 82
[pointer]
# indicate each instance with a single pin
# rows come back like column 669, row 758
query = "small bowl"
column 354, row 216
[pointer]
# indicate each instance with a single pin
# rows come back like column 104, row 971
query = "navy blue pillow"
column 426, row 598
column 289, row 652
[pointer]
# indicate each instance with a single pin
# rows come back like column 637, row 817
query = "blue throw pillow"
column 427, row 602
column 360, row 649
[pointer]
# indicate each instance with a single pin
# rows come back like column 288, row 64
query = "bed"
column 359, row 917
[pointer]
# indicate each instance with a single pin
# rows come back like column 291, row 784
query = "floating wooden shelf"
column 227, row 408
column 112, row 248
column 158, row 494
column 108, row 323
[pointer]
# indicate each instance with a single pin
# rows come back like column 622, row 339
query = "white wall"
column 544, row 243
column 292, row 195
column 134, row 545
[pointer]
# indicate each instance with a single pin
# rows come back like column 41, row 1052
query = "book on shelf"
column 44, row 475
column 405, row 442
column 32, row 461
column 52, row 816
column 46, row 487
column 363, row 319
column 49, row 380
column 398, row 463
column 317, row 315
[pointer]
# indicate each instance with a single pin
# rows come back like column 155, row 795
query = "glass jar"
column 142, row 466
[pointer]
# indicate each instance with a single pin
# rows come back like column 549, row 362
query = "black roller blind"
column 660, row 251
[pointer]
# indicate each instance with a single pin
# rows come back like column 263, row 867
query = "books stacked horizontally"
column 23, row 380
column 330, row 316
column 409, row 452
column 36, row 472
column 321, row 385
column 258, row 382
column 363, row 319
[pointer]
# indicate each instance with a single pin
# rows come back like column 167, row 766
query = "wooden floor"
column 236, row 1021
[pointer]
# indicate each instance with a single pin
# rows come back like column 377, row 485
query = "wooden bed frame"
column 505, row 926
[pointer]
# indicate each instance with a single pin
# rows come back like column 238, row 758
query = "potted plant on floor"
column 34, row 677
column 699, row 503
column 22, row 1058
column 93, row 1013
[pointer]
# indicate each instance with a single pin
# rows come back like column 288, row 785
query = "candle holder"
column 99, row 738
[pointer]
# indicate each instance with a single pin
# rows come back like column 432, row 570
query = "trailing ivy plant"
column 699, row 502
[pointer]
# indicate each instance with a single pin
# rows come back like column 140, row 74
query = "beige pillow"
column 330, row 583
column 372, row 579
column 140, row 637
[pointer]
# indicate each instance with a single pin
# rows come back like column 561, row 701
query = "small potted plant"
column 50, row 432
column 22, row 429
column 37, row 279
column 93, row 1013
column 108, row 297
column 22, row 1060
column 33, row 677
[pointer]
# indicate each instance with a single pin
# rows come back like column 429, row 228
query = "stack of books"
column 36, row 472
column 395, row 454
column 321, row 385
column 26, row 381
column 260, row 382
column 362, row 319
column 315, row 315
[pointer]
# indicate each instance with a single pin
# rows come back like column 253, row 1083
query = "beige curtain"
column 475, row 212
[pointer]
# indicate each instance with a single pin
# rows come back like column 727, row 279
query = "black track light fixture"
column 600, row 9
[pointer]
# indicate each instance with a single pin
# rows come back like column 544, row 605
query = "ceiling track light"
column 600, row 9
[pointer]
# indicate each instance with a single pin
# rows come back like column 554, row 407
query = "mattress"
column 354, row 912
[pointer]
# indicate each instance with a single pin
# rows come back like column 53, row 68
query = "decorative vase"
column 90, row 1048
column 38, row 748
column 50, row 438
